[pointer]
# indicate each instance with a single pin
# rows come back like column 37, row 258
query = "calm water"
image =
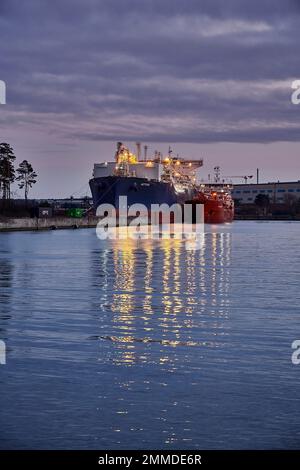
column 148, row 345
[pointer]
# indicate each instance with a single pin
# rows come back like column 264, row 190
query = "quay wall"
column 14, row 224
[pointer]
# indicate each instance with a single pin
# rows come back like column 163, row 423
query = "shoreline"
column 8, row 224
column 271, row 218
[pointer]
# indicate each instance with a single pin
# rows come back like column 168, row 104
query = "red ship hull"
column 216, row 212
column 218, row 206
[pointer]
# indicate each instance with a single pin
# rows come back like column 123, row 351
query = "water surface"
column 136, row 345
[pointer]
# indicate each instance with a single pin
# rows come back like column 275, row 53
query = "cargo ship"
column 159, row 180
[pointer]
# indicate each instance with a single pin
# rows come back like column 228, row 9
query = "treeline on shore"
column 23, row 174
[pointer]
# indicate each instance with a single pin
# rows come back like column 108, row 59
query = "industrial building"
column 278, row 193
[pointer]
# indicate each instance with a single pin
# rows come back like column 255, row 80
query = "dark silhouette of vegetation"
column 24, row 174
column 7, row 172
column 26, row 177
column 263, row 202
column 237, row 203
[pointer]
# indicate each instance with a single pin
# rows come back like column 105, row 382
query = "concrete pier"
column 12, row 224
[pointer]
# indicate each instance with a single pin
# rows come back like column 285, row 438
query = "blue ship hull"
column 108, row 189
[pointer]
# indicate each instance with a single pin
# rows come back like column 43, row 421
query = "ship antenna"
column 145, row 151
column 119, row 145
column 217, row 171
column 138, row 150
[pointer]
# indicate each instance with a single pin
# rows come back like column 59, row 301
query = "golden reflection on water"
column 148, row 289
column 124, row 283
column 161, row 294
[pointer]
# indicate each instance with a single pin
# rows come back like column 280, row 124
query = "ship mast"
column 138, row 150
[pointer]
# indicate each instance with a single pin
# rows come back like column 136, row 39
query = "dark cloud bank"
column 168, row 70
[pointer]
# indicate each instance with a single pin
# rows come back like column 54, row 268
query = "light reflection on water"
column 155, row 296
column 144, row 344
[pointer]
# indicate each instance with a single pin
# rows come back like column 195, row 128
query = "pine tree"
column 26, row 176
column 7, row 171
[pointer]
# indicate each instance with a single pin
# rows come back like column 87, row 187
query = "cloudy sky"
column 211, row 77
